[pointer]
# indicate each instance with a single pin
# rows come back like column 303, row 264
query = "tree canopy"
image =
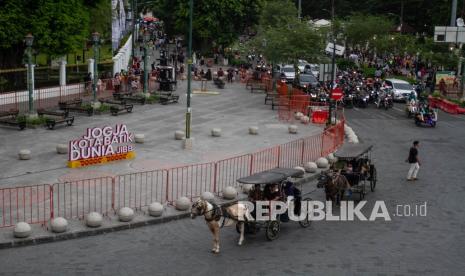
column 59, row 27
column 282, row 38
column 217, row 22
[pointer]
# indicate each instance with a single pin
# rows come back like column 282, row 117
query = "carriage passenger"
column 272, row 192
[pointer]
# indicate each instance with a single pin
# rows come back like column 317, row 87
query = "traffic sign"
column 336, row 94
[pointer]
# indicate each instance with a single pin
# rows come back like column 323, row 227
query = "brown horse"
column 335, row 184
column 216, row 217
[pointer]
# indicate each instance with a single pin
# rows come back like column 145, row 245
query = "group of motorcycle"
column 360, row 92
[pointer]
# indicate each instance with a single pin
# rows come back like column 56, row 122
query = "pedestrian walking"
column 413, row 161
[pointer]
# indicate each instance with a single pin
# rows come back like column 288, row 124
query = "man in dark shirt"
column 413, row 161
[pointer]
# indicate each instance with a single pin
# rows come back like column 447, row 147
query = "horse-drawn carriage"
column 270, row 186
column 273, row 185
column 356, row 166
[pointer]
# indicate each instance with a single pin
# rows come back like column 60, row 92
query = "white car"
column 288, row 73
column 400, row 88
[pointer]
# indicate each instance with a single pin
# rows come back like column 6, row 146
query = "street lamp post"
column 29, row 39
column 333, row 64
column 189, row 78
column 146, row 73
column 96, row 41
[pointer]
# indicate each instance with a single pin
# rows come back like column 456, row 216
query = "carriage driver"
column 255, row 194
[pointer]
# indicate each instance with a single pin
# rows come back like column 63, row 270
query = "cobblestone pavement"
column 415, row 245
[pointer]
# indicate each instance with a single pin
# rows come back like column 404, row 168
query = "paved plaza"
column 233, row 110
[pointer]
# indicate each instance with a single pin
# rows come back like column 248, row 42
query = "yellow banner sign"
column 101, row 160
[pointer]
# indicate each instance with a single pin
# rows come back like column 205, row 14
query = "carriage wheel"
column 373, row 178
column 272, row 230
column 305, row 222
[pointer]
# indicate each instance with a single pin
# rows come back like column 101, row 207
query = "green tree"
column 288, row 41
column 100, row 18
column 215, row 22
column 277, row 13
column 360, row 29
column 60, row 27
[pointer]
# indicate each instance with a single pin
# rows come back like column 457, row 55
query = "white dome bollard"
column 299, row 168
column 229, row 192
column 292, row 129
column 22, row 230
column 139, row 138
column 311, row 167
column 125, row 214
column 304, row 119
column 322, row 163
column 179, row 135
column 62, row 149
column 94, row 219
column 207, row 196
column 298, row 115
column 216, row 132
column 156, row 209
column 253, row 130
column 183, row 203
column 24, row 154
column 59, row 225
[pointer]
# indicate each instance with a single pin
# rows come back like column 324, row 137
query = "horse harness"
column 215, row 213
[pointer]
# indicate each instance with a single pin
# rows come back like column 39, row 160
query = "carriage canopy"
column 272, row 176
column 352, row 151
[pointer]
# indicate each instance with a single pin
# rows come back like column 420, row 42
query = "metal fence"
column 49, row 97
column 74, row 199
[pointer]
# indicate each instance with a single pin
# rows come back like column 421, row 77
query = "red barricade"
column 320, row 116
column 265, row 160
column 30, row 204
column 137, row 190
column 75, row 199
column 190, row 181
column 312, row 148
column 291, row 154
column 227, row 171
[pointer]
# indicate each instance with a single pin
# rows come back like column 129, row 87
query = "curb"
column 88, row 232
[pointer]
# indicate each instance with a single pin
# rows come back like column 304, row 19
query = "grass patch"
column 32, row 121
column 153, row 99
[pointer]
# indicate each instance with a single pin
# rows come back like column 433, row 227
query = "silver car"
column 400, row 88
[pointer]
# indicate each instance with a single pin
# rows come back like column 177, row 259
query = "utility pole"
column 401, row 15
column 188, row 141
column 333, row 64
column 299, row 14
column 453, row 14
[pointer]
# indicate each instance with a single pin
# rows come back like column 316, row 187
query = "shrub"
column 104, row 108
column 437, row 94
